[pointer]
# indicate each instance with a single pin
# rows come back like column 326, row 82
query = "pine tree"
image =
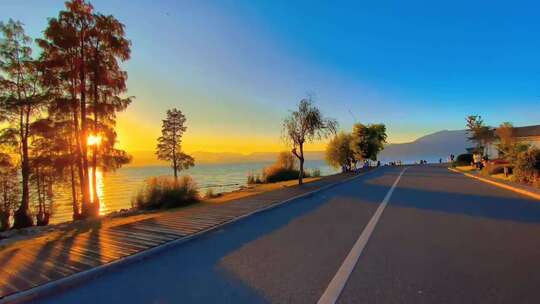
column 169, row 143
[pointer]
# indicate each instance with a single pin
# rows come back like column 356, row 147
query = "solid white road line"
column 337, row 284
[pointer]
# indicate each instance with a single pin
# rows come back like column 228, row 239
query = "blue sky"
column 236, row 67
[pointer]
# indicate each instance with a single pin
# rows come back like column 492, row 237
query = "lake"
column 116, row 189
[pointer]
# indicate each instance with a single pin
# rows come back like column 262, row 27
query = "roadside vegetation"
column 517, row 161
column 166, row 192
column 346, row 150
column 59, row 98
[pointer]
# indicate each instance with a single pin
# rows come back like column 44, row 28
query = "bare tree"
column 306, row 124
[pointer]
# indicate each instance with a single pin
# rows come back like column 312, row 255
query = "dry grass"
column 466, row 168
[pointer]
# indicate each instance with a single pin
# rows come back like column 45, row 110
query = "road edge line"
column 338, row 282
column 500, row 185
column 57, row 286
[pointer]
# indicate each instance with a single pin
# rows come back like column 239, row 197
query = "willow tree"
column 169, row 147
column 304, row 125
column 21, row 98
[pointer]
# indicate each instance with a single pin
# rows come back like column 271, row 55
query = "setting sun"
column 93, row 140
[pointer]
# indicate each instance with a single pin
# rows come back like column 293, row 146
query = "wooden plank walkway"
column 28, row 266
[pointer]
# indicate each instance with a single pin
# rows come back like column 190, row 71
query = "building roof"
column 528, row 131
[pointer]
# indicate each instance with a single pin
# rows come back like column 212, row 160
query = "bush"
column 166, row 192
column 464, row 159
column 492, row 168
column 253, row 179
column 316, row 172
column 275, row 174
column 211, row 194
column 527, row 167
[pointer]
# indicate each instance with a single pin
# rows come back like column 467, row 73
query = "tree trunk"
column 22, row 217
column 301, row 175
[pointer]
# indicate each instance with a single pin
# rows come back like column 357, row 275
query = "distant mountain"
column 145, row 158
column 430, row 147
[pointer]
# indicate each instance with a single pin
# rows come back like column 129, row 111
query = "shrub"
column 527, row 167
column 211, row 194
column 316, row 172
column 253, row 179
column 166, row 192
column 275, row 173
column 464, row 159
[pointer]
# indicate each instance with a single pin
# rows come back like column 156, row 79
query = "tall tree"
column 368, row 140
column 479, row 133
column 21, row 99
column 306, row 124
column 169, row 147
column 83, row 51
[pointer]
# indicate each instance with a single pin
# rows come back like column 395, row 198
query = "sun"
column 93, row 140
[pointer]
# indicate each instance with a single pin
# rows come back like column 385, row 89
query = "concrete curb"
column 73, row 280
column 500, row 185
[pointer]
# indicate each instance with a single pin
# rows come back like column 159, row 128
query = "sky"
column 236, row 68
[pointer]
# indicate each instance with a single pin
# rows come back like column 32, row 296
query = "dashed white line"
column 332, row 292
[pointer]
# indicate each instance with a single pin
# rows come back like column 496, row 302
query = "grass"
column 166, row 192
column 466, row 168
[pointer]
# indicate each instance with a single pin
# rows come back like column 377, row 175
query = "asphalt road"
column 442, row 238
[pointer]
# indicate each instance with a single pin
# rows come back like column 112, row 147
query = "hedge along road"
column 438, row 237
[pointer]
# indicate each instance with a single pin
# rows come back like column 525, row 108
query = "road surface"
column 420, row 235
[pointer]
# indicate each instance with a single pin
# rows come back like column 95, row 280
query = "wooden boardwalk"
column 28, row 266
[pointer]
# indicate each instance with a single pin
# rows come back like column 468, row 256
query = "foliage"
column 463, row 159
column 166, row 192
column 274, row 174
column 479, row 133
column 339, row 152
column 21, row 100
column 316, row 172
column 82, row 52
column 286, row 160
column 253, row 179
column 306, row 124
column 527, row 166
column 169, row 143
column 506, row 143
column 211, row 194
column 367, row 141
column 9, row 190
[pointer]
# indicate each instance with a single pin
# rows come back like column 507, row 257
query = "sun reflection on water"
column 99, row 189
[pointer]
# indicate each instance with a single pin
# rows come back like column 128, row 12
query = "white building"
column 529, row 135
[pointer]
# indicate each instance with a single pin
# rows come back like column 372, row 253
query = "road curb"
column 73, row 280
column 500, row 185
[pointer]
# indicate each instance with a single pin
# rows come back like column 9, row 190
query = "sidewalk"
column 30, row 265
column 509, row 185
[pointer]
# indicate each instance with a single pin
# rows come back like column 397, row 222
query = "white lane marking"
column 337, row 284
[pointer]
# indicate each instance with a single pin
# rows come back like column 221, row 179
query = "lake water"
column 116, row 189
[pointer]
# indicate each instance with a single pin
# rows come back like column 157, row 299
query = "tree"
column 479, row 133
column 169, row 147
column 286, row 160
column 367, row 141
column 9, row 190
column 82, row 51
column 306, row 124
column 21, row 98
column 339, row 153
column 506, row 139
